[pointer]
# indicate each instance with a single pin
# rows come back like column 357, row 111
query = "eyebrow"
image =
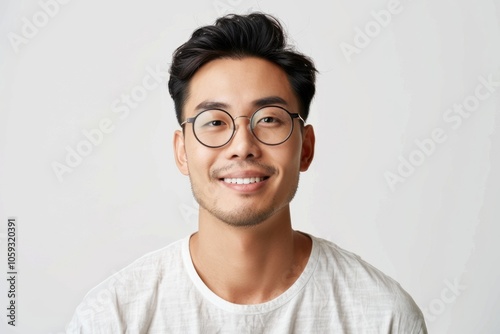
column 210, row 105
column 268, row 100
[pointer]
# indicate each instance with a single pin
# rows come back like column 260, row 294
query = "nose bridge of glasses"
column 249, row 118
column 242, row 116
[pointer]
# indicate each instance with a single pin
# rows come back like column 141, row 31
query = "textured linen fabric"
column 161, row 293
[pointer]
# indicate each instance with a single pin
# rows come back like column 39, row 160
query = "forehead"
column 239, row 84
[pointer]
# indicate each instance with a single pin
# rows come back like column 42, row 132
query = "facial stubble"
column 243, row 216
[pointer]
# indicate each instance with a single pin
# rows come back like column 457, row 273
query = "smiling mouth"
column 244, row 180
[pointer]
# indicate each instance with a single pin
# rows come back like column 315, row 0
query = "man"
column 242, row 97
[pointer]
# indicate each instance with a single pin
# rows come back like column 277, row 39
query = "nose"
column 243, row 145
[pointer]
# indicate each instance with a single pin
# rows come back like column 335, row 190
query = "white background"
column 126, row 197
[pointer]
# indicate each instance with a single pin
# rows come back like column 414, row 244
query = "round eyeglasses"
column 271, row 125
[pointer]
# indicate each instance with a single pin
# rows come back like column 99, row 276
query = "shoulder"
column 148, row 268
column 350, row 269
column 365, row 290
column 127, row 293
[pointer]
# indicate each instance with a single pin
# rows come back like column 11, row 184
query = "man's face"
column 270, row 174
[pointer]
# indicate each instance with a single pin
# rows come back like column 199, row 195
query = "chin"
column 247, row 217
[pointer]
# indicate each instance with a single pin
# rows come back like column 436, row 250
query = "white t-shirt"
column 162, row 293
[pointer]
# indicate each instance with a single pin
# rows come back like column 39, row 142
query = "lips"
column 246, row 183
column 244, row 177
column 244, row 180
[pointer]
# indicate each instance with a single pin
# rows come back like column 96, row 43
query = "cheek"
column 288, row 160
column 199, row 159
column 293, row 152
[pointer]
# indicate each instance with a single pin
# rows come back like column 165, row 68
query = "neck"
column 249, row 265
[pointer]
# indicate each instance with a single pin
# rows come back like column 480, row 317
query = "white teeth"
column 246, row 180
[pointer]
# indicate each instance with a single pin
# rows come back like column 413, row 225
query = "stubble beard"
column 247, row 216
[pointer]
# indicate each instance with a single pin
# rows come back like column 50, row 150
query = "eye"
column 269, row 121
column 213, row 124
column 216, row 123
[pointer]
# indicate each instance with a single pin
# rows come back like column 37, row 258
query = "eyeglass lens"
column 270, row 125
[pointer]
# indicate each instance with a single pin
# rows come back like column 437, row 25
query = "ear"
column 307, row 153
column 180, row 152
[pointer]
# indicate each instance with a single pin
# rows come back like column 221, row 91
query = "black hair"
column 238, row 36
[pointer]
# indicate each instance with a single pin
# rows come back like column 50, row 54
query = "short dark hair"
column 238, row 36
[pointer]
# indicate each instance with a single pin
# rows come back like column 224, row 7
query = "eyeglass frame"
column 292, row 117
